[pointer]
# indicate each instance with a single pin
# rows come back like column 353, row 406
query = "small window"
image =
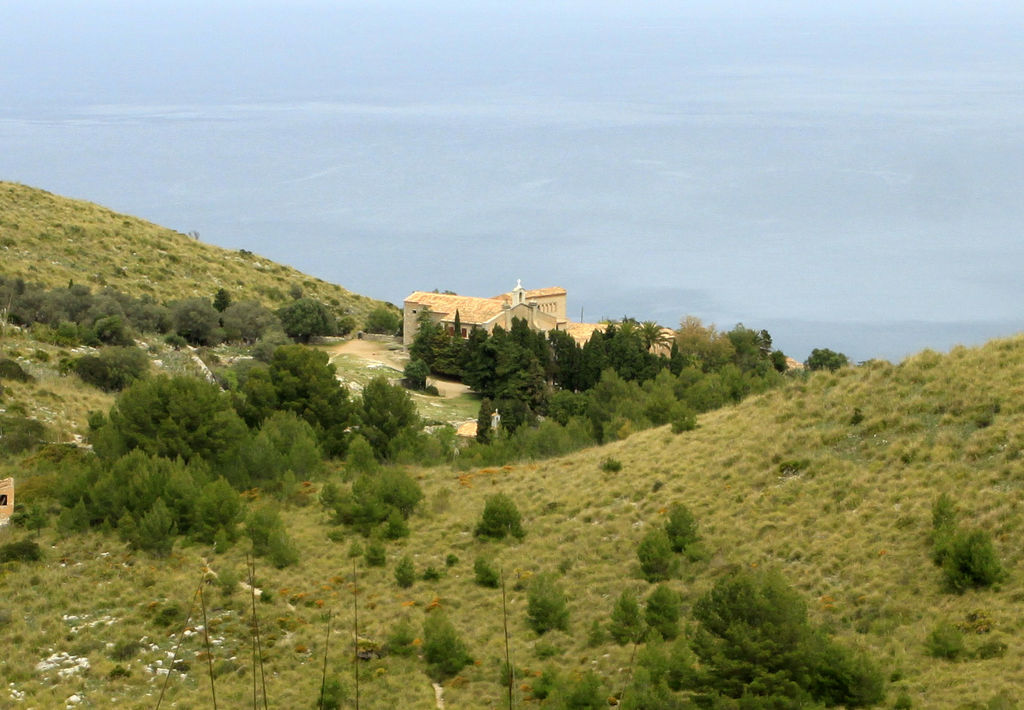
column 3, row 499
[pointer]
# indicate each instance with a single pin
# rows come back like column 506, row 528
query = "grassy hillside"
column 830, row 480
column 50, row 239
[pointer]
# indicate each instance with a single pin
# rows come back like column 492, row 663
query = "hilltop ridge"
column 830, row 479
column 52, row 240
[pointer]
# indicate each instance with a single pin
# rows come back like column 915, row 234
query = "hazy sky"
column 845, row 174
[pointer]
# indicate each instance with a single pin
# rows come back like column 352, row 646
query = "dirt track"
column 378, row 352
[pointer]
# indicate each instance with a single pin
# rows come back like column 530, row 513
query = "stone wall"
column 6, row 499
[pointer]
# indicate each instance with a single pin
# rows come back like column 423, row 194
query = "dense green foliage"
column 386, row 415
column 443, row 649
column 266, row 530
column 754, row 641
column 19, row 434
column 825, row 359
column 681, row 528
column 546, row 604
column 485, row 574
column 113, row 368
column 971, row 561
column 172, row 417
column 657, row 560
column 383, row 319
column 302, row 381
column 615, row 380
column 416, row 373
column 405, row 572
column 627, row 622
column 663, row 610
column 500, row 518
column 20, row 551
column 372, row 499
column 305, row 318
column 75, row 315
column 11, row 370
column 967, row 557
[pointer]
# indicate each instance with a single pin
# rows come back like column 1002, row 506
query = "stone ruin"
column 6, row 499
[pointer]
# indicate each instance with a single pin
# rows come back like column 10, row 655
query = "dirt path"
column 379, row 352
column 373, row 351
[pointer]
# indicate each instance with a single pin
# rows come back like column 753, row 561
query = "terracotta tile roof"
column 467, row 430
column 535, row 293
column 581, row 332
column 471, row 309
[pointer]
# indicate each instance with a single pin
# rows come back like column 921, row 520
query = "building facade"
column 543, row 309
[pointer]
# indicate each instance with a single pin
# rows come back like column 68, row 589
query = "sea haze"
column 846, row 177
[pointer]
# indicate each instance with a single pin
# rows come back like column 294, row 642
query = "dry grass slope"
column 830, row 479
column 51, row 240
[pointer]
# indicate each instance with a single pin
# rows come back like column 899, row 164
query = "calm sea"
column 845, row 178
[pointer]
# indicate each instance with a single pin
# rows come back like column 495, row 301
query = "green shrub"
column 156, row 530
column 627, row 623
column 664, row 608
column 74, row 519
column 945, row 641
column 416, row 373
column 372, row 499
column 227, row 580
column 376, row 554
column 903, row 701
column 431, row 574
column 545, row 684
column 681, row 527
column 113, row 368
column 657, row 560
column 401, row 639
column 282, row 552
column 485, row 574
column 825, row 359
column 360, row 457
column 443, row 650
column 971, row 562
column 118, row 672
column 218, row 510
column 586, row 692
column 683, row 419
column 11, row 370
column 395, row 527
column 20, row 434
column 333, row 695
column 546, row 605
column 20, row 551
column 610, row 465
column 269, row 537
column 125, row 650
column 175, row 341
column 170, row 614
column 1003, row 700
column 991, row 649
column 451, row 560
column 943, row 527
column 500, row 518
column 596, row 636
column 383, row 320
column 405, row 572
column 753, row 640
